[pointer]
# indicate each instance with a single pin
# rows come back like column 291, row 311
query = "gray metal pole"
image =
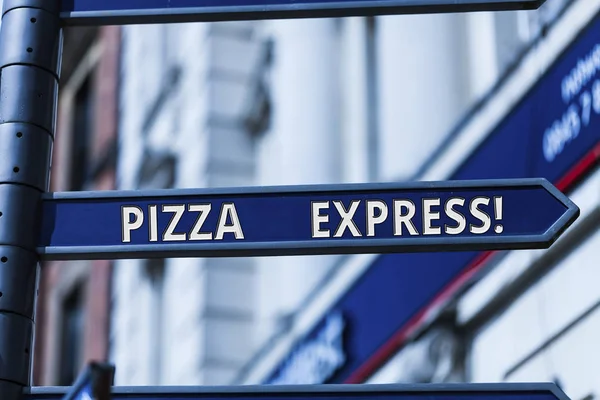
column 30, row 50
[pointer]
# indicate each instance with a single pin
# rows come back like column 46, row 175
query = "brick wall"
column 100, row 49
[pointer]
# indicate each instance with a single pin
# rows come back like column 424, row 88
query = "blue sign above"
column 303, row 220
column 111, row 12
column 502, row 391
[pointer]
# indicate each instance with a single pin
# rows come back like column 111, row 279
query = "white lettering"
column 581, row 74
column 561, row 133
column 405, row 219
column 204, row 210
column 315, row 360
column 485, row 219
column 318, row 219
column 169, row 235
column 456, row 216
column 347, row 216
column 228, row 209
column 429, row 216
column 127, row 224
column 373, row 220
column 596, row 95
column 153, row 226
column 585, row 100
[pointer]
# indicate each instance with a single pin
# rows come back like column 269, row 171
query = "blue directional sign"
column 109, row 12
column 302, row 220
column 511, row 391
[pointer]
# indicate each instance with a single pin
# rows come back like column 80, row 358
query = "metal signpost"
column 30, row 49
column 269, row 221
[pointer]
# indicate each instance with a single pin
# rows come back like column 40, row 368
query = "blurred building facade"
column 425, row 97
column 73, row 306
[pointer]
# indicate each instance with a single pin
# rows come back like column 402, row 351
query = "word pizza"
column 132, row 218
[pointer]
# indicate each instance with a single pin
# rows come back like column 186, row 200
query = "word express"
column 303, row 220
column 403, row 212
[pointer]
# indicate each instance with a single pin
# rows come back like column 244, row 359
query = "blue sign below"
column 112, row 12
column 502, row 391
column 305, row 220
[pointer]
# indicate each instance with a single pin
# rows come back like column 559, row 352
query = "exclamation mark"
column 498, row 213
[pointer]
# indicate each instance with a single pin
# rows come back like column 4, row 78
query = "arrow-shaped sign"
column 502, row 391
column 303, row 220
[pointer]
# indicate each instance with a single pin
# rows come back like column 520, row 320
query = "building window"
column 83, row 114
column 71, row 338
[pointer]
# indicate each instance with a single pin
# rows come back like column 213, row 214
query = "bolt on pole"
column 30, row 53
